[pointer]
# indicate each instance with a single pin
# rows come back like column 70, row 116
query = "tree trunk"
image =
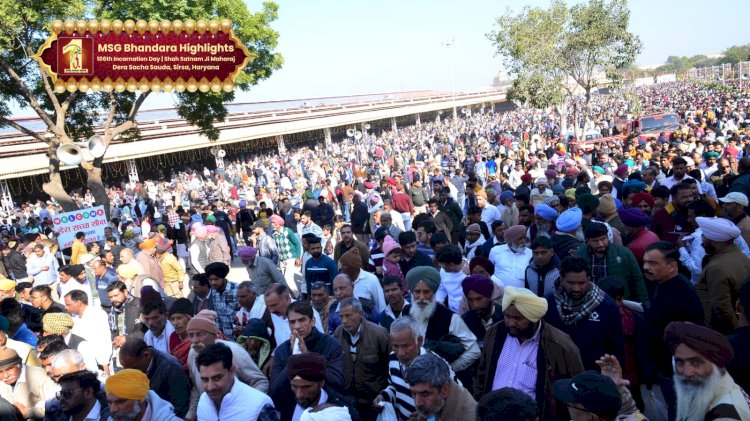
column 54, row 188
column 563, row 108
column 95, row 184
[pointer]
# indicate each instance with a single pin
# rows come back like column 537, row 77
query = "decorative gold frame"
column 141, row 26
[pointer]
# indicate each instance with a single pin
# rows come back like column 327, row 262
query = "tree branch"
column 137, row 105
column 47, row 87
column 64, row 109
column 6, row 122
column 111, row 113
column 27, row 93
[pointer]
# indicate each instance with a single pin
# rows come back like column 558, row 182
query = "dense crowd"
column 492, row 267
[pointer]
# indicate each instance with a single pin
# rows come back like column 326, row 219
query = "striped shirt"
column 397, row 392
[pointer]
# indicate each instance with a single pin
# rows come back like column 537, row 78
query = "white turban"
column 530, row 306
column 338, row 413
column 718, row 229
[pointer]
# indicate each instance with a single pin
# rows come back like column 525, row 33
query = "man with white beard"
column 435, row 321
column 704, row 388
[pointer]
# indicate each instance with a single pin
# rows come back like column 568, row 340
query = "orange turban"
column 148, row 244
column 128, row 384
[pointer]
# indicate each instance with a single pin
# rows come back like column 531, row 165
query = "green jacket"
column 622, row 263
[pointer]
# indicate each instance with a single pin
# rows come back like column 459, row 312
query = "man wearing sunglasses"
column 81, row 398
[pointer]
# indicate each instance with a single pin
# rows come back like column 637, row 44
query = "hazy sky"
column 343, row 47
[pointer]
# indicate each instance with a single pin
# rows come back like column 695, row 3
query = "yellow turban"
column 128, row 384
column 531, row 306
column 127, row 271
column 58, row 323
column 7, row 284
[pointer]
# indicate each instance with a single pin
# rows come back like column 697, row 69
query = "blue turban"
column 545, row 211
column 506, row 195
column 598, row 169
column 558, row 189
column 637, row 185
column 569, row 220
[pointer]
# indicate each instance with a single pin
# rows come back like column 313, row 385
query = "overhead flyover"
column 22, row 156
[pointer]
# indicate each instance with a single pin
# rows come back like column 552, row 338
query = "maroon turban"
column 483, row 262
column 709, row 343
column 310, row 366
column 642, row 197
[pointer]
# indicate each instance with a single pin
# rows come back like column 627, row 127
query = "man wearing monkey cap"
column 526, row 353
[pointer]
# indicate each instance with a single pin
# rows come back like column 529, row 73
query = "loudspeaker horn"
column 367, row 127
column 464, row 110
column 358, row 135
column 96, row 146
column 350, row 132
column 221, row 153
column 70, row 154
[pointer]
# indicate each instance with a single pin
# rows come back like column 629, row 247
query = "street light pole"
column 449, row 46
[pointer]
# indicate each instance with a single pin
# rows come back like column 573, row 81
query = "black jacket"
column 280, row 389
column 360, row 217
column 169, row 381
column 15, row 264
column 133, row 326
column 739, row 367
column 563, row 244
column 419, row 259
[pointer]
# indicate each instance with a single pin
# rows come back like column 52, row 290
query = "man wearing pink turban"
column 199, row 253
column 290, row 251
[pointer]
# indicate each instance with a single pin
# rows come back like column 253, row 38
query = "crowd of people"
column 489, row 267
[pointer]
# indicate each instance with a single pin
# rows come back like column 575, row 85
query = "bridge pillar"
column 394, row 126
column 327, row 135
column 6, row 199
column 132, row 171
column 417, row 120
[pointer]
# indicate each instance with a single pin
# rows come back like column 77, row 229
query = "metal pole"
column 132, row 171
column 327, row 135
column 417, row 120
column 449, row 46
column 7, row 198
column 394, row 126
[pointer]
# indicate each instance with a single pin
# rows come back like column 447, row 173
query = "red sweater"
column 402, row 203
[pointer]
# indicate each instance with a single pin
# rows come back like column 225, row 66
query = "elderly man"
column 29, row 386
column 511, row 259
column 262, row 270
column 543, row 353
column 735, row 209
column 407, row 345
column 290, row 250
column 568, row 237
column 148, row 261
column 482, row 312
column 581, row 309
column 366, row 285
column 366, row 362
column 166, row 376
column 180, row 314
column 202, row 332
column 226, row 398
column 61, row 324
column 129, row 398
column 725, row 267
column 544, row 221
column 199, row 249
column 705, row 391
column 174, row 273
column 435, row 393
column 612, row 260
column 436, row 321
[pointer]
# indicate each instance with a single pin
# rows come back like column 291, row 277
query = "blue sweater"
column 323, row 270
column 600, row 334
